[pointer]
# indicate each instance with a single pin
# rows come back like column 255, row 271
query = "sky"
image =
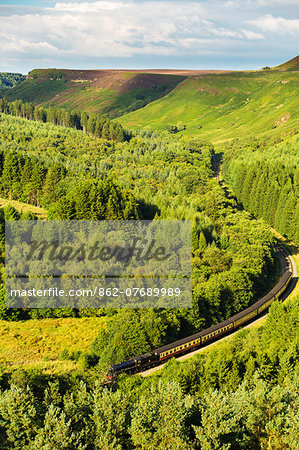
column 140, row 34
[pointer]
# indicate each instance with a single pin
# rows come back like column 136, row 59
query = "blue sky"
column 198, row 34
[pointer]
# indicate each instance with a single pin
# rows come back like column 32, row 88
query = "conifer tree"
column 56, row 433
column 18, row 417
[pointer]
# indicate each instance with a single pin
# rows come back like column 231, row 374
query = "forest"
column 153, row 175
column 266, row 182
column 97, row 125
column 9, row 80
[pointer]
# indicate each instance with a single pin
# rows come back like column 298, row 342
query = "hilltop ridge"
column 114, row 92
column 215, row 104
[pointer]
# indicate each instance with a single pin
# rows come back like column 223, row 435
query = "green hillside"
column 114, row 92
column 216, row 106
column 225, row 106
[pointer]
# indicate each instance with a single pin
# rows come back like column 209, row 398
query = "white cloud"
column 277, row 2
column 128, row 28
column 276, row 24
column 117, row 28
column 89, row 7
column 252, row 35
column 260, row 3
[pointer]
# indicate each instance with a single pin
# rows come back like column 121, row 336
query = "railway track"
column 287, row 264
column 187, row 347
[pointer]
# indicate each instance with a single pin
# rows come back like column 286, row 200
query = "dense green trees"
column 243, row 394
column 67, row 197
column 223, row 398
column 133, row 333
column 8, row 80
column 265, row 178
column 162, row 417
column 256, row 415
column 153, row 175
column 95, row 125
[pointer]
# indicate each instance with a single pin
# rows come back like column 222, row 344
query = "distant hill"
column 8, row 80
column 109, row 91
column 292, row 64
column 216, row 105
column 114, row 92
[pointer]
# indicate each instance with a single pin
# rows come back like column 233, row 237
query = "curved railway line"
column 283, row 296
column 188, row 346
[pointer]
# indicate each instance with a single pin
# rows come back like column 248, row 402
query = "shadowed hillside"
column 114, row 92
column 217, row 105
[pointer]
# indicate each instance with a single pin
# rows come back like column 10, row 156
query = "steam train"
column 189, row 343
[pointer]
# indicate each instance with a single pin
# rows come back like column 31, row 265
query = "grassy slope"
column 225, row 106
column 24, row 207
column 292, row 64
column 37, row 343
column 112, row 92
